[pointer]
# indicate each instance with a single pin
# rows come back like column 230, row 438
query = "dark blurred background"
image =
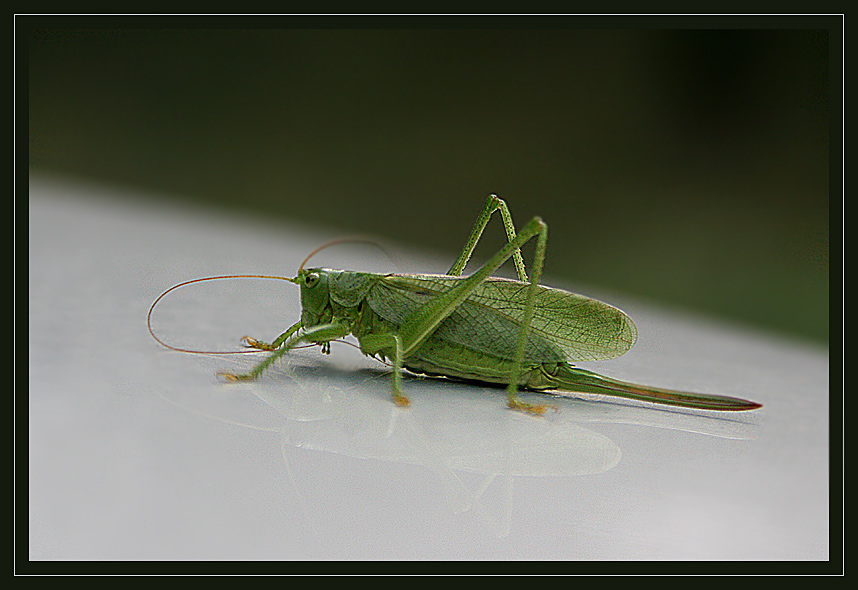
column 689, row 167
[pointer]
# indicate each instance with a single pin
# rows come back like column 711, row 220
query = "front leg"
column 259, row 345
column 321, row 334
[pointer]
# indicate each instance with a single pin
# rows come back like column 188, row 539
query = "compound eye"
column 312, row 279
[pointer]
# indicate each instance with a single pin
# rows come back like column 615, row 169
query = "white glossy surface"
column 138, row 452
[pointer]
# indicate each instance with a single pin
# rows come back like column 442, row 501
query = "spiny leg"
column 493, row 203
column 420, row 325
column 372, row 344
column 513, row 401
column 320, row 334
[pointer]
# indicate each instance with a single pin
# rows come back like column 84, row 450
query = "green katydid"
column 480, row 328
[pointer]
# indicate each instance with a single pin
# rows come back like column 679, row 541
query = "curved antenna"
column 361, row 239
column 191, row 282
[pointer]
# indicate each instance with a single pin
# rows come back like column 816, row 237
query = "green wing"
column 568, row 325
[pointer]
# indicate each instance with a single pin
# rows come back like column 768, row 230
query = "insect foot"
column 254, row 343
column 401, row 401
column 233, row 378
column 535, row 409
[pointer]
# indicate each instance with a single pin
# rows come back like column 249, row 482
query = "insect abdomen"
column 437, row 357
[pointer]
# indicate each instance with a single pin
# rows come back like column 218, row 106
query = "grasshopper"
column 479, row 328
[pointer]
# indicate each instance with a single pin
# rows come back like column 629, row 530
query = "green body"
column 478, row 340
column 481, row 328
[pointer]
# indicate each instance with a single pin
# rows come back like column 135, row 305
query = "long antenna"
column 361, row 239
column 191, row 282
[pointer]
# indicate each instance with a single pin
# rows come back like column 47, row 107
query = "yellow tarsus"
column 401, row 401
column 233, row 378
column 254, row 343
column 514, row 403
